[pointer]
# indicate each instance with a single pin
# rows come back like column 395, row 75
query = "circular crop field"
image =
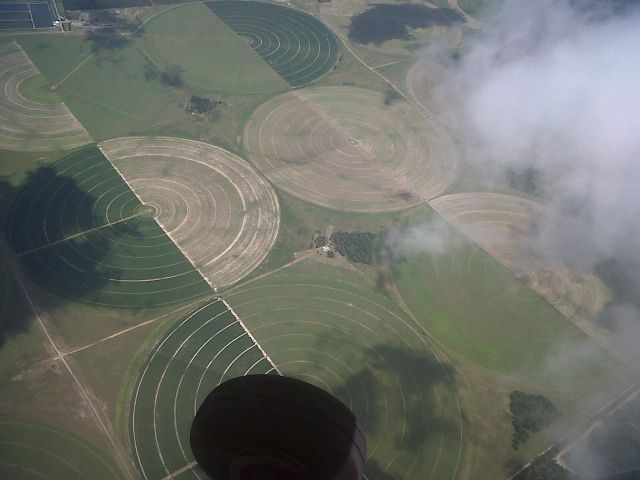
column 348, row 149
column 238, row 47
column 476, row 308
column 79, row 230
column 220, row 213
column 38, row 123
column 503, row 225
column 296, row 45
column 35, row 452
column 320, row 327
column 206, row 348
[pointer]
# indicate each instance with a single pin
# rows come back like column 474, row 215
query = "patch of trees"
column 530, row 413
column 319, row 240
column 203, row 105
column 358, row 247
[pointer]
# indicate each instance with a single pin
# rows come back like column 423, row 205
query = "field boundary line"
column 166, row 232
column 33, row 24
column 576, row 320
column 134, row 327
column 266, row 274
column 121, row 460
column 246, row 330
column 394, row 62
column 89, row 57
column 79, row 234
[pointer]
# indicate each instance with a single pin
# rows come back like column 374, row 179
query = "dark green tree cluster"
column 358, row 247
column 530, row 413
column 202, row 105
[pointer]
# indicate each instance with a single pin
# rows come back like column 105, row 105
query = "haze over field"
column 555, row 88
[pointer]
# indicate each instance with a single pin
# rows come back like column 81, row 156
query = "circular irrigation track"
column 296, row 45
column 219, row 212
column 79, row 230
column 365, row 351
column 502, row 225
column 35, row 452
column 26, row 125
column 206, row 348
column 344, row 148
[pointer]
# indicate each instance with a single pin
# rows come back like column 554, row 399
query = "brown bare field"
column 501, row 225
column 346, row 149
column 219, row 212
column 26, row 125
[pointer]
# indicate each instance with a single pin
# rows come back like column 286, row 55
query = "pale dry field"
column 219, row 212
column 343, row 148
column 24, row 124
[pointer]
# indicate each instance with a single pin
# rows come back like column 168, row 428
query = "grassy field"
column 29, row 451
column 324, row 324
column 296, row 45
column 107, row 83
column 477, row 309
column 299, row 220
column 206, row 53
column 111, row 366
column 80, row 231
column 205, row 348
column 21, row 341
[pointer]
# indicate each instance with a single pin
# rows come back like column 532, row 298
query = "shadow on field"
column 28, row 223
column 170, row 77
column 392, row 22
column 416, row 372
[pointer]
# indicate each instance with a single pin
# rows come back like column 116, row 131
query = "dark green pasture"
column 80, row 231
column 296, row 45
column 206, row 348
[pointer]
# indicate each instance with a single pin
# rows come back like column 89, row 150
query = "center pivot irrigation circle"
column 296, row 45
column 147, row 211
column 205, row 349
column 220, row 213
column 362, row 349
column 348, row 149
